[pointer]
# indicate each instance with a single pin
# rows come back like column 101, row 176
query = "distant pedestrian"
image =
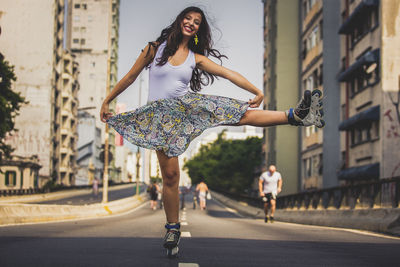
column 153, row 190
column 95, row 186
column 202, row 190
column 270, row 185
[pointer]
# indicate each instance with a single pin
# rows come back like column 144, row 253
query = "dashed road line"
column 182, row 264
column 186, row 234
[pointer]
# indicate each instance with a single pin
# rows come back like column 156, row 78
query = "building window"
column 312, row 40
column 84, row 6
column 77, row 6
column 76, row 29
column 11, row 178
column 365, row 25
column 77, row 18
column 90, row 18
column 83, row 29
column 321, row 164
column 83, row 41
column 75, row 41
column 364, row 133
column 307, row 6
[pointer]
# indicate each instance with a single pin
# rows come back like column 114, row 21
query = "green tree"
column 226, row 164
column 10, row 103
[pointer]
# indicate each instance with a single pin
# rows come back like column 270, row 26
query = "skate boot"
column 172, row 238
column 308, row 111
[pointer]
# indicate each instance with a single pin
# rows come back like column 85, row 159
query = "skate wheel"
column 317, row 91
column 172, row 252
column 322, row 124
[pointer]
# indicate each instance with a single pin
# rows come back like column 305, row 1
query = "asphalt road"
column 90, row 198
column 215, row 237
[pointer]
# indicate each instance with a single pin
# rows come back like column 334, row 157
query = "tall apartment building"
column 281, row 83
column 32, row 40
column 93, row 37
column 320, row 53
column 370, row 81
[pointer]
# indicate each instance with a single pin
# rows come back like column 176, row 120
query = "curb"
column 11, row 214
column 384, row 220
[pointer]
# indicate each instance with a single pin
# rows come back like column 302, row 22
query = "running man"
column 270, row 185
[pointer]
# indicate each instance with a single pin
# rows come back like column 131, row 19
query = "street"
column 215, row 237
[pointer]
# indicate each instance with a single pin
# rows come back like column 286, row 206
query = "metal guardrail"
column 379, row 193
column 383, row 193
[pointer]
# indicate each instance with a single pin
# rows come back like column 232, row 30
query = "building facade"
column 40, row 66
column 89, row 165
column 370, row 84
column 281, row 86
column 19, row 173
column 92, row 36
column 320, row 53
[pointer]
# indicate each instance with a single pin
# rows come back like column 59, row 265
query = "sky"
column 237, row 33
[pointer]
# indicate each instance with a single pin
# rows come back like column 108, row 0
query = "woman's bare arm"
column 142, row 61
column 236, row 78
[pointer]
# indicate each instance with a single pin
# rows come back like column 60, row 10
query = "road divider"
column 17, row 213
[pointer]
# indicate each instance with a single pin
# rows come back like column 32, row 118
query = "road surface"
column 215, row 237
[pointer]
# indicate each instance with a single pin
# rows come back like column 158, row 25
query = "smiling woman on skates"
column 176, row 113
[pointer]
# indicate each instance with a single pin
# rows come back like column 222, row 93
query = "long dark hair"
column 173, row 35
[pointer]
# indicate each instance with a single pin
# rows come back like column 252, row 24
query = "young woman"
column 178, row 61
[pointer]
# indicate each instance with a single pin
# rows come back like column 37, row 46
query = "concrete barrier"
column 384, row 220
column 16, row 213
column 57, row 195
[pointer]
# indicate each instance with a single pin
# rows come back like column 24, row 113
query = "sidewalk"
column 18, row 213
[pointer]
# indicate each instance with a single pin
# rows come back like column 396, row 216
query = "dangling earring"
column 196, row 39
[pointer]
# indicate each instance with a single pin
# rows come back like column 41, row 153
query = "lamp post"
column 106, row 131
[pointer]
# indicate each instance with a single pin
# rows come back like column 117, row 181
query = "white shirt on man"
column 270, row 182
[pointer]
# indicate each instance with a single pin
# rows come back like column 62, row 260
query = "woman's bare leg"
column 263, row 118
column 170, row 174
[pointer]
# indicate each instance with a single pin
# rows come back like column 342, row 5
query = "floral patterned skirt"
column 171, row 124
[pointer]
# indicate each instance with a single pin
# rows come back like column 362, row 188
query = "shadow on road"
column 39, row 251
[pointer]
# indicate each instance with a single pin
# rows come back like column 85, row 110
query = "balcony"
column 366, row 60
column 357, row 15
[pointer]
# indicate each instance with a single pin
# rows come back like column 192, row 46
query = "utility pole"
column 106, row 134
column 138, row 149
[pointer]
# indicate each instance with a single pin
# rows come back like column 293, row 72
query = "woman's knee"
column 171, row 178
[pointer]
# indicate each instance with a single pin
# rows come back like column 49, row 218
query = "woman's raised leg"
column 263, row 118
column 170, row 174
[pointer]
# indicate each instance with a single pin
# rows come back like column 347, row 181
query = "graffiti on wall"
column 392, row 117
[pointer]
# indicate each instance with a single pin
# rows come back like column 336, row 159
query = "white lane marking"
column 228, row 209
column 184, row 223
column 181, row 264
column 356, row 231
column 186, row 234
column 81, row 219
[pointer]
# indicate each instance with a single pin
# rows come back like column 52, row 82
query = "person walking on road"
column 154, row 190
column 95, row 187
column 270, row 185
column 176, row 113
column 202, row 190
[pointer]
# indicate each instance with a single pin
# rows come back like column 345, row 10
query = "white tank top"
column 170, row 81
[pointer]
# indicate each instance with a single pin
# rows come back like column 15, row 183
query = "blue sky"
column 239, row 37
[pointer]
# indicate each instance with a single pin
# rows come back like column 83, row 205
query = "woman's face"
column 190, row 23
